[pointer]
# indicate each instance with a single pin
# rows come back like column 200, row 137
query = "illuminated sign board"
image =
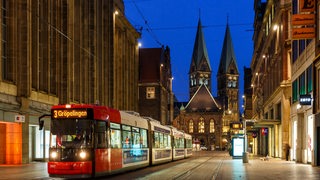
column 305, row 99
column 70, row 113
column 264, row 131
column 236, row 125
column 237, row 146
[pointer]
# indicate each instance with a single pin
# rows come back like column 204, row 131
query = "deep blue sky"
column 174, row 23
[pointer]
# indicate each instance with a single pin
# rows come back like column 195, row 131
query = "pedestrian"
column 287, row 151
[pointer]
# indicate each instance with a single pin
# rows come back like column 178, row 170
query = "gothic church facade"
column 204, row 116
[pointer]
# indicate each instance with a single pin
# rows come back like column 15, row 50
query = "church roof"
column 202, row 100
column 200, row 52
column 227, row 55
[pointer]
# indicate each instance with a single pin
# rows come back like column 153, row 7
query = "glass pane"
column 143, row 138
column 136, row 140
column 127, row 141
column 39, row 144
column 156, row 140
column 115, row 138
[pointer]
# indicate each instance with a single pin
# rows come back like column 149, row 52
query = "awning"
column 266, row 123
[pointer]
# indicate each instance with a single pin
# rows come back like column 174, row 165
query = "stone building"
column 271, row 77
column 316, row 96
column 56, row 52
column 155, row 84
column 302, row 131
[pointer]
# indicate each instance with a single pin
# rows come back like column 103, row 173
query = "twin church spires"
column 227, row 75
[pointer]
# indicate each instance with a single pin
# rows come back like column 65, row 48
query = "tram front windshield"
column 71, row 133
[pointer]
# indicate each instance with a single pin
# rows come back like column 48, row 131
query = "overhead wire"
column 148, row 29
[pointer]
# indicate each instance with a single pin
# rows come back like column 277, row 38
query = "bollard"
column 245, row 157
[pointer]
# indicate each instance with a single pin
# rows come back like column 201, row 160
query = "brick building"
column 155, row 84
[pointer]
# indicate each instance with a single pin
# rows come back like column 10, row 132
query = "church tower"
column 228, row 80
column 200, row 70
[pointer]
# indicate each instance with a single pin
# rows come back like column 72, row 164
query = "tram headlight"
column 83, row 154
column 54, row 154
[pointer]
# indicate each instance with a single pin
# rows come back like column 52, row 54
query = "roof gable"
column 202, row 100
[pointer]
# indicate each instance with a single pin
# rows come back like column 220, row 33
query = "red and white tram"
column 91, row 140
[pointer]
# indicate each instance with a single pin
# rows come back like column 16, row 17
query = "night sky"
column 174, row 23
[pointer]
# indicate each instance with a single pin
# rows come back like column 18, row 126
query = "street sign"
column 19, row 118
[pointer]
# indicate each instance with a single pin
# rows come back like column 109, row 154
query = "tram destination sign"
column 70, row 113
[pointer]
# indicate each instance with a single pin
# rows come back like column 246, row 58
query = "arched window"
column 191, row 126
column 211, row 126
column 201, row 125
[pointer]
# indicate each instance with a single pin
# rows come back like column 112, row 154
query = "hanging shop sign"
column 307, row 5
column 303, row 19
column 303, row 24
column 303, row 33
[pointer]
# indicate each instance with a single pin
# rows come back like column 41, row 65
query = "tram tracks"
column 187, row 174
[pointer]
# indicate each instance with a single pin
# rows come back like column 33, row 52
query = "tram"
column 91, row 140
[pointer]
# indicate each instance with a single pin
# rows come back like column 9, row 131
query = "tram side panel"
column 160, row 143
column 178, row 144
column 134, row 141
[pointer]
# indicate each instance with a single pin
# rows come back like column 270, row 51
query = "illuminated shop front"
column 21, row 141
column 10, row 143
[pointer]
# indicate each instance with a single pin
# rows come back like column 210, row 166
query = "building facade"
column 302, row 114
column 316, row 94
column 271, row 77
column 155, row 84
column 56, row 52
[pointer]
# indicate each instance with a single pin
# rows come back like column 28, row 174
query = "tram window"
column 114, row 126
column 143, row 138
column 165, row 141
column 101, row 135
column 179, row 142
column 115, row 138
column 126, row 139
column 156, row 140
column 126, row 128
column 161, row 140
column 135, row 129
column 188, row 143
column 136, row 140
